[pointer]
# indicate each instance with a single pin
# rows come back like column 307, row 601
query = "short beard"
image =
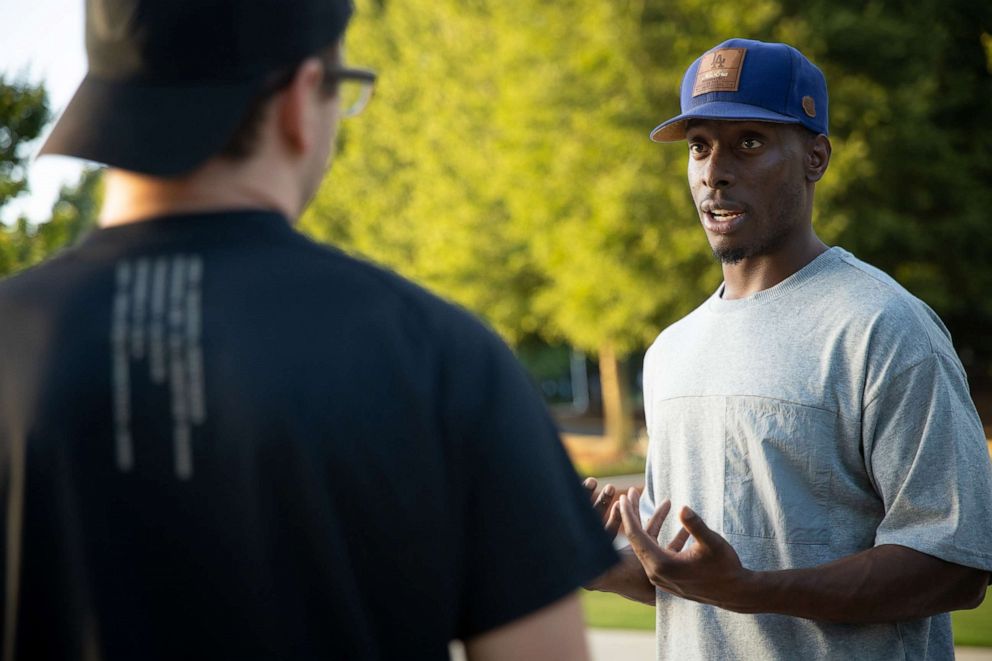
column 764, row 246
column 731, row 255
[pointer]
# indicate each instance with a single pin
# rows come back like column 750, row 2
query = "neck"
column 131, row 197
column 754, row 274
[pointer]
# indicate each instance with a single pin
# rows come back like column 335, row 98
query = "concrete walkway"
column 625, row 645
column 616, row 644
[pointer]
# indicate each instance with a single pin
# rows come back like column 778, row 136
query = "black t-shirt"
column 237, row 443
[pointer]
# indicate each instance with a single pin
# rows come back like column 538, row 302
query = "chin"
column 729, row 252
column 730, row 255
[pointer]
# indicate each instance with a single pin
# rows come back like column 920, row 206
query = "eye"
column 751, row 143
column 696, row 148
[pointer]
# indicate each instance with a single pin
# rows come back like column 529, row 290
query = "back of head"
column 170, row 81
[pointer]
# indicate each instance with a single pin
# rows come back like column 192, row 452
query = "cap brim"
column 674, row 129
column 162, row 130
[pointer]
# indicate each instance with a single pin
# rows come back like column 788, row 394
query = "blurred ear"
column 297, row 108
column 817, row 158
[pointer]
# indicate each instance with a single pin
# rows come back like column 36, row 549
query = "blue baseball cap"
column 742, row 79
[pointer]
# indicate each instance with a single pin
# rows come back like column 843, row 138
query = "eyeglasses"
column 353, row 86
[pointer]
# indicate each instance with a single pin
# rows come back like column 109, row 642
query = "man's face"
column 749, row 184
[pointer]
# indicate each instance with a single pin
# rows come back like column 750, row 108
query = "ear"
column 817, row 158
column 297, row 108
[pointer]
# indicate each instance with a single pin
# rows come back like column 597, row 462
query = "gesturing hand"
column 709, row 571
column 605, row 506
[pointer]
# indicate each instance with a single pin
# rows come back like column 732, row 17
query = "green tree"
column 505, row 164
column 619, row 242
column 505, row 161
column 911, row 86
column 23, row 114
column 419, row 182
column 73, row 213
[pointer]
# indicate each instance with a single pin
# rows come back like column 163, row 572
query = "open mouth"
column 722, row 221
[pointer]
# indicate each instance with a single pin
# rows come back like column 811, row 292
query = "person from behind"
column 219, row 439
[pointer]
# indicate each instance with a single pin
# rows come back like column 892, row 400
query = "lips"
column 722, row 220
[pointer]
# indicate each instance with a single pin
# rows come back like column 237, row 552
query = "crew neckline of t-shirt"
column 232, row 225
column 798, row 279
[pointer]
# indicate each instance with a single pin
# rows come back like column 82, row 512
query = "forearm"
column 553, row 633
column 884, row 584
column 627, row 578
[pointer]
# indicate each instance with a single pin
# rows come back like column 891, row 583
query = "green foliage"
column 911, row 96
column 420, row 182
column 75, row 211
column 505, row 161
column 505, row 164
column 543, row 361
column 23, row 114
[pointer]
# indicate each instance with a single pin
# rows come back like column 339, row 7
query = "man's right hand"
column 627, row 578
column 606, row 504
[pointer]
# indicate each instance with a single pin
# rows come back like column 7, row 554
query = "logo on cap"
column 809, row 106
column 719, row 71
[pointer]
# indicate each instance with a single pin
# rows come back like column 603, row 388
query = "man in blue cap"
column 810, row 422
column 221, row 440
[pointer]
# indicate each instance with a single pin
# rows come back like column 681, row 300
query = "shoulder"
column 388, row 298
column 875, row 298
column 674, row 336
column 34, row 282
column 372, row 283
column 899, row 329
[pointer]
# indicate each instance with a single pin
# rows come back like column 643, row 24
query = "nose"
column 718, row 170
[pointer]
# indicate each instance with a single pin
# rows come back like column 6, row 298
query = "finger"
column 590, row 484
column 614, row 520
column 678, row 542
column 628, row 515
column 644, row 546
column 605, row 499
column 697, row 527
column 658, row 518
column 634, row 496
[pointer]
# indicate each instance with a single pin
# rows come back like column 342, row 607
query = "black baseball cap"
column 169, row 81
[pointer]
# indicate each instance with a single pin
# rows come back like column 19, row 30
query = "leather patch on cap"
column 720, row 71
column 809, row 106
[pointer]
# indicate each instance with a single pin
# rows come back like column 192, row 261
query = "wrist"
column 751, row 592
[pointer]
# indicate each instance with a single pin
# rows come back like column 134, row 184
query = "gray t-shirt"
column 821, row 417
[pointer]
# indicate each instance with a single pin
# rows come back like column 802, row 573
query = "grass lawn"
column 608, row 611
column 974, row 627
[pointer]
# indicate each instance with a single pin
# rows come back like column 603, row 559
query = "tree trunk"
column 616, row 401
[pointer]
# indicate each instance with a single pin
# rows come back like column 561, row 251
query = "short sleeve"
column 529, row 533
column 927, row 456
column 648, row 497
